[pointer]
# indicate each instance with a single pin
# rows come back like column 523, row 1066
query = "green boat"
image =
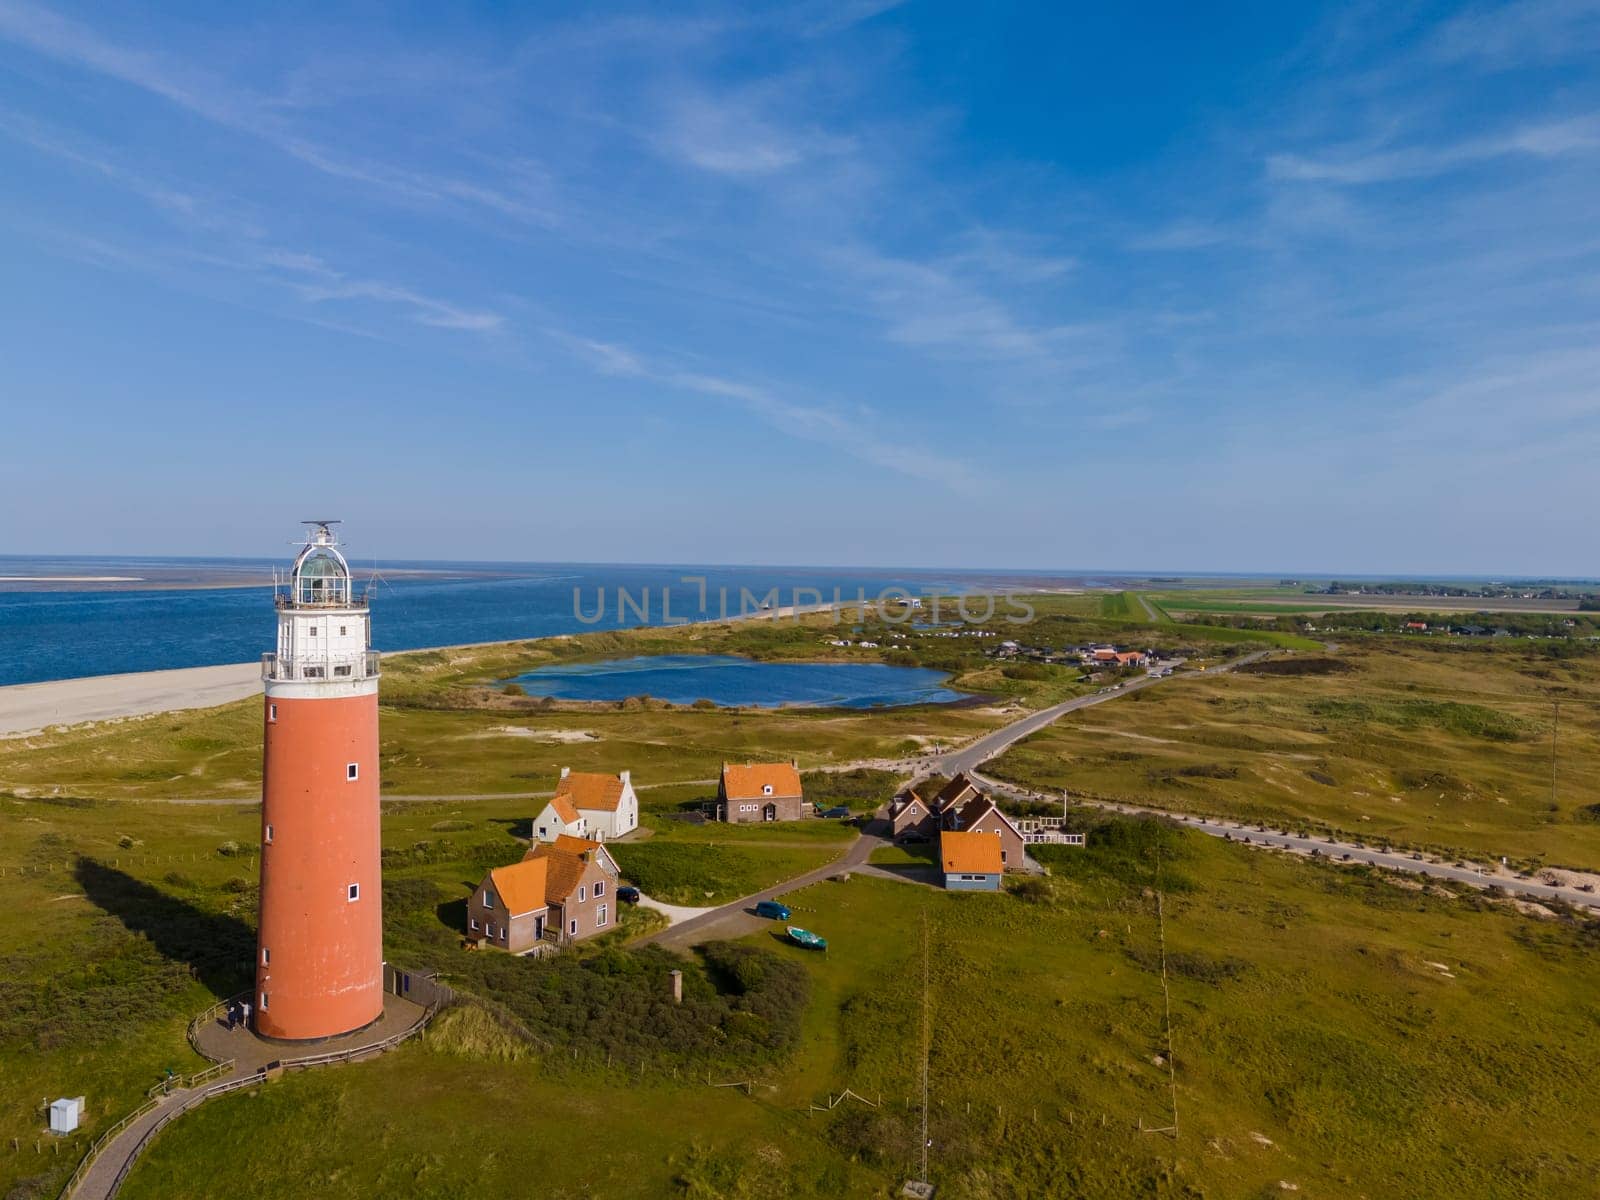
column 805, row 939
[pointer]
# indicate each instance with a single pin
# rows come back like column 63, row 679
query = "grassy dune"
column 1334, row 1030
column 1419, row 743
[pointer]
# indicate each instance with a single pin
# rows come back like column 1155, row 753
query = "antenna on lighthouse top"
column 322, row 533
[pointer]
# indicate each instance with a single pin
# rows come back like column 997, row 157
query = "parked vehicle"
column 628, row 894
column 913, row 839
column 836, row 812
column 772, row 910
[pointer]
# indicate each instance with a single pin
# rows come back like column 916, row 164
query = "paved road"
column 975, row 754
column 731, row 920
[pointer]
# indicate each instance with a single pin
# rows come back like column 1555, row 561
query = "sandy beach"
column 29, row 707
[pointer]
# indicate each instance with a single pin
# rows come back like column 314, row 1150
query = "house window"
column 766, row 789
column 266, row 957
column 352, row 771
column 601, row 919
column 599, row 888
column 268, row 838
column 353, row 892
column 272, row 712
column 573, row 928
column 472, row 923
column 489, row 928
column 488, row 898
column 583, row 893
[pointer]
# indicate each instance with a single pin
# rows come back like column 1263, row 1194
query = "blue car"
column 837, row 812
column 772, row 910
column 628, row 895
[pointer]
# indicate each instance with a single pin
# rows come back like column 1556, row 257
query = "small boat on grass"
column 805, row 939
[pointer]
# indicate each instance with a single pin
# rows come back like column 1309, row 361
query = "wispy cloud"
column 233, row 106
column 1553, row 139
column 1505, row 36
column 856, row 432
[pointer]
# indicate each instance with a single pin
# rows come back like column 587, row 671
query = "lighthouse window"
column 266, row 957
column 313, row 631
column 352, row 770
column 263, row 1002
column 268, row 838
column 354, row 891
column 272, row 712
column 342, row 630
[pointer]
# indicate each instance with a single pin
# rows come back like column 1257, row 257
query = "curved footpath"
column 248, row 1060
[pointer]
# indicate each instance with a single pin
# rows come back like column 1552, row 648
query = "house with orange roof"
column 606, row 803
column 760, row 792
column 509, row 910
column 970, row 861
column 560, row 818
column 981, row 814
column 580, row 887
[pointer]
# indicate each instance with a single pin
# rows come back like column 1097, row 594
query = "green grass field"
column 1424, row 743
column 1333, row 1030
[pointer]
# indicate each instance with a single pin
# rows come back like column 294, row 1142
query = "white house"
column 559, row 817
column 606, row 803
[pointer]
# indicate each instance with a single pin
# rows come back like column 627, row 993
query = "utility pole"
column 1555, row 728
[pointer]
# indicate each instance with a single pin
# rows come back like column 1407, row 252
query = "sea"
column 149, row 614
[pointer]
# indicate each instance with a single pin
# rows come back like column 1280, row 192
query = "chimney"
column 677, row 986
column 625, row 776
column 565, row 771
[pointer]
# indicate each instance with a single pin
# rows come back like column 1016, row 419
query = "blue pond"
column 723, row 679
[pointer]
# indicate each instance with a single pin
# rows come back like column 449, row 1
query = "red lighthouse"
column 319, row 961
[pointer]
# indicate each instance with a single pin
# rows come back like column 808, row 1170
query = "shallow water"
column 726, row 680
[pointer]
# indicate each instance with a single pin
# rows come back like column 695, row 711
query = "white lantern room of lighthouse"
column 324, row 628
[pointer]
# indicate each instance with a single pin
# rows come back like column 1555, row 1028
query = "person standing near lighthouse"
column 319, row 957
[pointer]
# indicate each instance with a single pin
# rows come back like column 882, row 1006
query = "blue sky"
column 1263, row 286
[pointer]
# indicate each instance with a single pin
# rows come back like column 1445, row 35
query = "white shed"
column 64, row 1115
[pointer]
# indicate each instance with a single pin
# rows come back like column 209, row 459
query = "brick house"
column 508, row 910
column 980, row 815
column 955, row 793
column 760, row 792
column 560, row 818
column 970, row 862
column 606, row 803
column 910, row 815
column 580, row 887
column 560, row 893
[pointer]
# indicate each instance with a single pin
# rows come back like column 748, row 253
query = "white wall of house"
column 605, row 824
column 548, row 825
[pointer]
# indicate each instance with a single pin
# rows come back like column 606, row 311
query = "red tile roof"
column 970, row 853
column 749, row 780
column 567, row 858
column 596, row 793
column 565, row 810
column 521, row 886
